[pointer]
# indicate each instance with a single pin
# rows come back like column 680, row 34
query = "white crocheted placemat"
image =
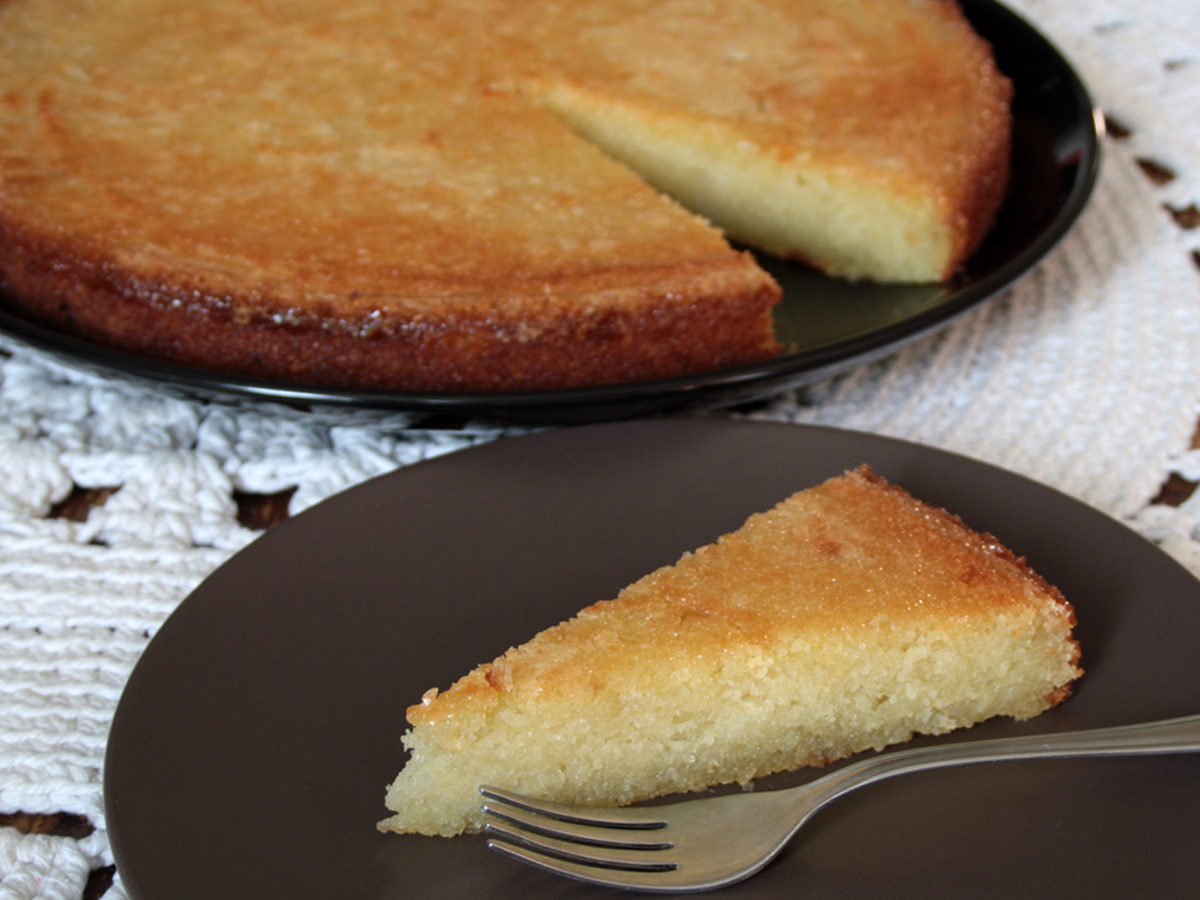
column 1085, row 376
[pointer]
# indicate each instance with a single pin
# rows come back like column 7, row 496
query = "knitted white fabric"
column 40, row 867
column 1085, row 376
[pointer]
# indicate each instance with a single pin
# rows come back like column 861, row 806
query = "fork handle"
column 1180, row 735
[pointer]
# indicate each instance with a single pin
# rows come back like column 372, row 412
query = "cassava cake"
column 851, row 616
column 468, row 195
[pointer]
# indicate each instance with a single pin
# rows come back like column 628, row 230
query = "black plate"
column 251, row 748
column 831, row 325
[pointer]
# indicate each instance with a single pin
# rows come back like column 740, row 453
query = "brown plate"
column 251, row 748
column 829, row 325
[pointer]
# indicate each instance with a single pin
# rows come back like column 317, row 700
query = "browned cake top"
column 845, row 558
column 247, row 145
column 390, row 148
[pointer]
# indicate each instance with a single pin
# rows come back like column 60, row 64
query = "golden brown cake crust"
column 983, row 539
column 694, row 611
column 614, row 328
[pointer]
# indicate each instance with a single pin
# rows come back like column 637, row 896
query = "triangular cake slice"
column 849, row 617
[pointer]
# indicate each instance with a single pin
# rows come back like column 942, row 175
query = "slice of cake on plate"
column 849, row 617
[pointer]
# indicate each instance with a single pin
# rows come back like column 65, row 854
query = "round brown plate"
column 252, row 745
column 828, row 325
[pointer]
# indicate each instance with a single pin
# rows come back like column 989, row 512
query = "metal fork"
column 713, row 842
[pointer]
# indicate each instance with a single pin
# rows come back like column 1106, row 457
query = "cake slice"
column 849, row 617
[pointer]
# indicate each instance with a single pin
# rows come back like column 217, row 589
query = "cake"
column 850, row 617
column 469, row 196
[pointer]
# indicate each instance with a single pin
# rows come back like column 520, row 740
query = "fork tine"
column 554, row 854
column 576, row 832
column 600, row 817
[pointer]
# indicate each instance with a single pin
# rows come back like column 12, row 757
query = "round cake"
column 478, row 196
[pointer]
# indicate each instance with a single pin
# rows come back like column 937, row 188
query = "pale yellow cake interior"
column 829, row 217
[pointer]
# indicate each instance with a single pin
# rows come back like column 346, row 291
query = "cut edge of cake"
column 840, row 219
column 826, row 216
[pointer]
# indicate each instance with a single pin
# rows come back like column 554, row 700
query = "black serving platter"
column 829, row 325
